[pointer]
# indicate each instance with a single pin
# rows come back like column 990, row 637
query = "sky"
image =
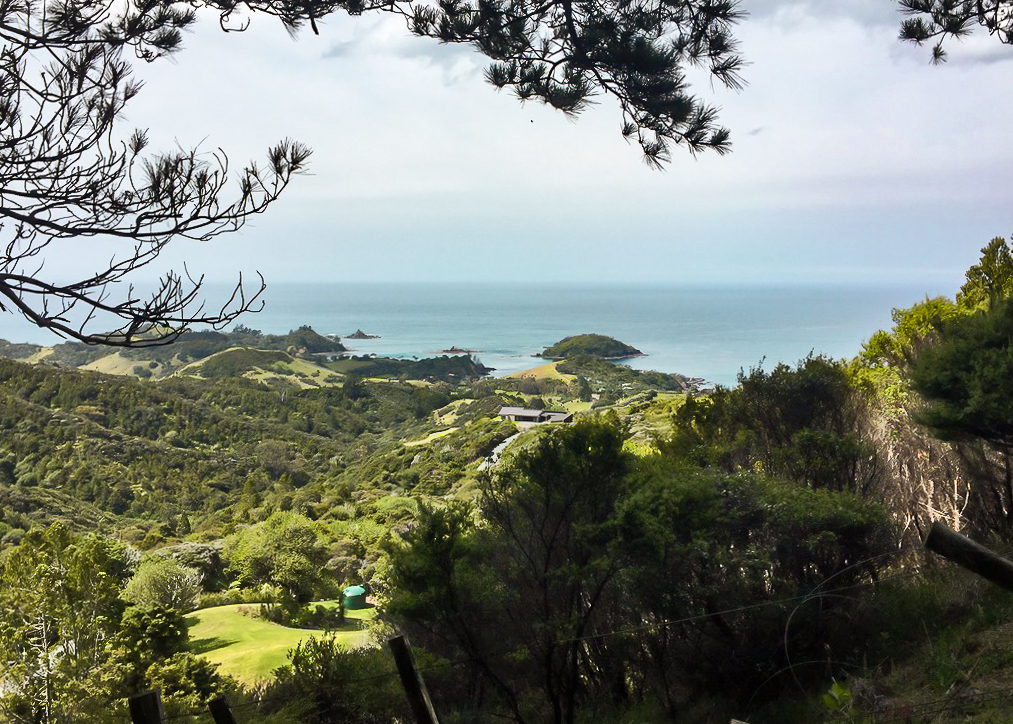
column 854, row 160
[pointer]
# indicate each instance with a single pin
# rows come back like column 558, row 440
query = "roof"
column 519, row 411
column 535, row 415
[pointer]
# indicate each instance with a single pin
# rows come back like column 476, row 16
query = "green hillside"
column 590, row 345
column 678, row 555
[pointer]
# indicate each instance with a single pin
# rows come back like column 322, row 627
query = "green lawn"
column 250, row 648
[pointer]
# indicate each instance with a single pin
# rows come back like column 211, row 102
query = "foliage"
column 148, row 634
column 306, row 616
column 966, row 377
column 943, row 19
column 161, row 461
column 991, row 279
column 185, row 680
column 285, row 550
column 546, row 588
column 442, row 368
column 801, row 423
column 164, row 582
column 59, row 604
column 913, row 329
column 325, row 676
column 72, row 174
column 963, row 381
column 590, row 345
column 233, row 363
column 618, row 380
column 79, row 182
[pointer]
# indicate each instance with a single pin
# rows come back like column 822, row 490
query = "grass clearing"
column 545, row 372
column 250, row 648
column 430, row 438
column 113, row 364
column 449, row 413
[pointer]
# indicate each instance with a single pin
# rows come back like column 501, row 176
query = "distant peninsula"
column 597, row 346
column 359, row 334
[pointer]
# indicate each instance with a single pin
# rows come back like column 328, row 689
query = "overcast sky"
column 853, row 159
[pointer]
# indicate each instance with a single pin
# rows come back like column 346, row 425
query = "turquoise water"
column 709, row 332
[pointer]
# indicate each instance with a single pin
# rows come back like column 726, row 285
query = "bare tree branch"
column 66, row 176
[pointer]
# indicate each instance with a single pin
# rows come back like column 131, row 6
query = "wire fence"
column 958, row 700
column 934, row 707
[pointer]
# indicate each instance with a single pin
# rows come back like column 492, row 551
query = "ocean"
column 706, row 331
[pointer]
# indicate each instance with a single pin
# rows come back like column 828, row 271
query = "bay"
column 700, row 331
column 710, row 332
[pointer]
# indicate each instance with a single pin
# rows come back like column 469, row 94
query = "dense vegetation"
column 674, row 555
column 597, row 346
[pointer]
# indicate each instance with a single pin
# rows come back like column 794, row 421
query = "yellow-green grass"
column 429, row 438
column 113, row 364
column 249, row 648
column 40, row 355
column 449, row 416
column 545, row 372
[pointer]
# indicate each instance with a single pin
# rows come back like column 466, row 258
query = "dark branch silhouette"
column 940, row 20
column 67, row 177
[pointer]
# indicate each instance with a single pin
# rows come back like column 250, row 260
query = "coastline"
column 710, row 332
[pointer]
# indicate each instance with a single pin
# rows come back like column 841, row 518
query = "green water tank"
column 354, row 597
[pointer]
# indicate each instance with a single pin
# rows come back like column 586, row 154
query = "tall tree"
column 588, row 579
column 284, row 551
column 59, row 605
column 966, row 382
column 165, row 582
column 802, row 424
column 69, row 173
column 521, row 593
column 991, row 279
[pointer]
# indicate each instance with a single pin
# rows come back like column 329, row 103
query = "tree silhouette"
column 67, row 177
column 942, row 19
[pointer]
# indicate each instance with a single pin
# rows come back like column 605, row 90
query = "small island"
column 454, row 349
column 359, row 334
column 597, row 346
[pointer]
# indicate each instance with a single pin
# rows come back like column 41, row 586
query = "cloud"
column 455, row 63
column 867, row 13
column 979, row 49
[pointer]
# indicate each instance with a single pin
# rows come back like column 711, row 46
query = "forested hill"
column 596, row 346
column 157, row 460
column 249, row 431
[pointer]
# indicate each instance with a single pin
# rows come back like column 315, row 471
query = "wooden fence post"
column 146, row 708
column 220, row 711
column 972, row 556
column 411, row 680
